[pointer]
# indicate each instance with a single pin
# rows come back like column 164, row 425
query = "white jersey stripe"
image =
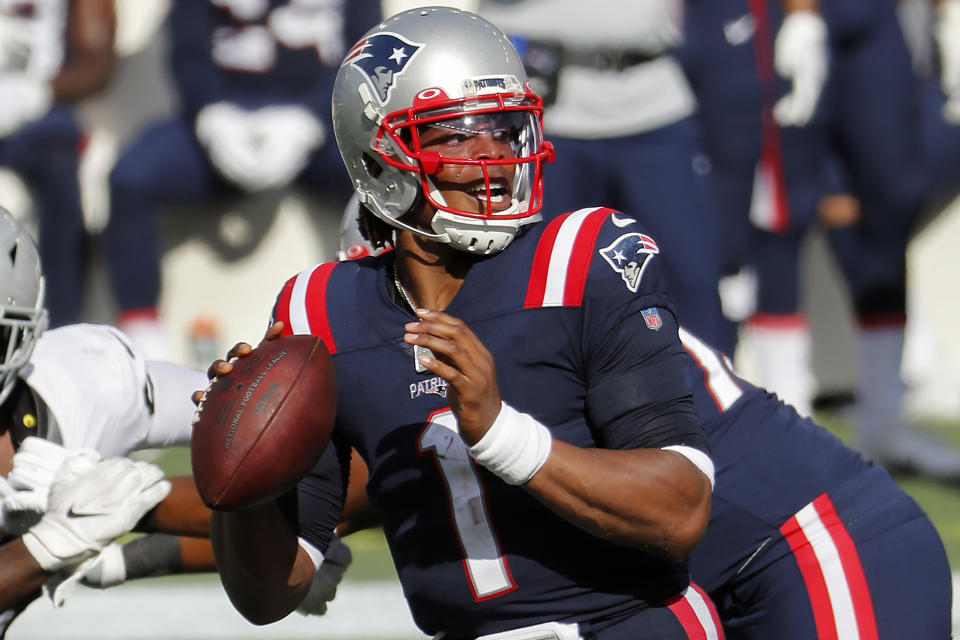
column 702, row 611
column 560, row 257
column 721, row 384
column 828, row 559
column 299, row 320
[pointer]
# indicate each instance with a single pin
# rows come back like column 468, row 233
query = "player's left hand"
column 800, row 55
column 467, row 366
column 34, row 466
column 947, row 33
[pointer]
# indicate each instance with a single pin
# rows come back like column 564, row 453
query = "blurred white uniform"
column 100, row 394
column 599, row 103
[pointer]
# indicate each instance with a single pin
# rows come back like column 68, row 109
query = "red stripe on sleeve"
column 852, row 569
column 582, row 256
column 316, row 305
column 687, row 617
column 541, row 263
column 812, row 577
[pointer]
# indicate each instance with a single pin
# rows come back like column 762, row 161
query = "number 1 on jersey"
column 485, row 566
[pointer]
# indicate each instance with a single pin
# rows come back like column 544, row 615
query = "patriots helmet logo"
column 628, row 255
column 382, row 57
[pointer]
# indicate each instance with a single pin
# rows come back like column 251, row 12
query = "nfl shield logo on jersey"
column 652, row 318
column 628, row 256
column 382, row 57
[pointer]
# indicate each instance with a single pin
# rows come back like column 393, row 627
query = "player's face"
column 491, row 136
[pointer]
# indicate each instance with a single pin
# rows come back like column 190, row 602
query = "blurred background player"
column 621, row 116
column 758, row 84
column 253, row 82
column 867, row 123
column 53, row 53
column 78, row 392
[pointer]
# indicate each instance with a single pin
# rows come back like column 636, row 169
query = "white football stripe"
column 828, row 558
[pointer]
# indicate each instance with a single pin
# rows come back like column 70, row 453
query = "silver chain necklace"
column 417, row 349
column 403, row 292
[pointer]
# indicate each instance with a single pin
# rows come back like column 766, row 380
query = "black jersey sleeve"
column 638, row 393
column 316, row 503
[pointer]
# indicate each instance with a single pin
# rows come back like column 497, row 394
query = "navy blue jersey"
column 806, row 538
column 585, row 340
column 280, row 52
column 770, row 462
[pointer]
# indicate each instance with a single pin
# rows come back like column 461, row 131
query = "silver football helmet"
column 440, row 69
column 22, row 314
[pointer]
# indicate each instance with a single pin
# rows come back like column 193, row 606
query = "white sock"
column 780, row 346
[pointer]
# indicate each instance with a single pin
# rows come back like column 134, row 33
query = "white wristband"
column 515, row 446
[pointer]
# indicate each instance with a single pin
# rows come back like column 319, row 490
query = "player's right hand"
column 239, row 350
column 90, row 504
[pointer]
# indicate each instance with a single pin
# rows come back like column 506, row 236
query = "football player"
column 53, row 54
column 867, row 124
column 806, row 538
column 487, row 371
column 75, row 394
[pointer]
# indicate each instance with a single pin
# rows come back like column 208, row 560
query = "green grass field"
column 940, row 501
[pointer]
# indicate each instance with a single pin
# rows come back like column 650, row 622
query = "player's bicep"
column 638, row 394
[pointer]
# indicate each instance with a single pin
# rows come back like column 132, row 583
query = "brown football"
column 261, row 427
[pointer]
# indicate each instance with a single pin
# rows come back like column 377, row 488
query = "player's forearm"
column 645, row 498
column 182, row 512
column 262, row 567
column 20, row 575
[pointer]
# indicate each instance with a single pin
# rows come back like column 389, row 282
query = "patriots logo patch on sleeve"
column 382, row 57
column 628, row 255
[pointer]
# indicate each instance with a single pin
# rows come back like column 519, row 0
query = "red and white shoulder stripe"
column 562, row 259
column 302, row 305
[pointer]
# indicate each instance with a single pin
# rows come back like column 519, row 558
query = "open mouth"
column 499, row 194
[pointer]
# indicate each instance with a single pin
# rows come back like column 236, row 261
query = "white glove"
column 324, row 586
column 288, row 135
column 260, row 149
column 106, row 569
column 800, row 55
column 947, row 32
column 224, row 130
column 90, row 504
column 34, row 466
column 22, row 99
